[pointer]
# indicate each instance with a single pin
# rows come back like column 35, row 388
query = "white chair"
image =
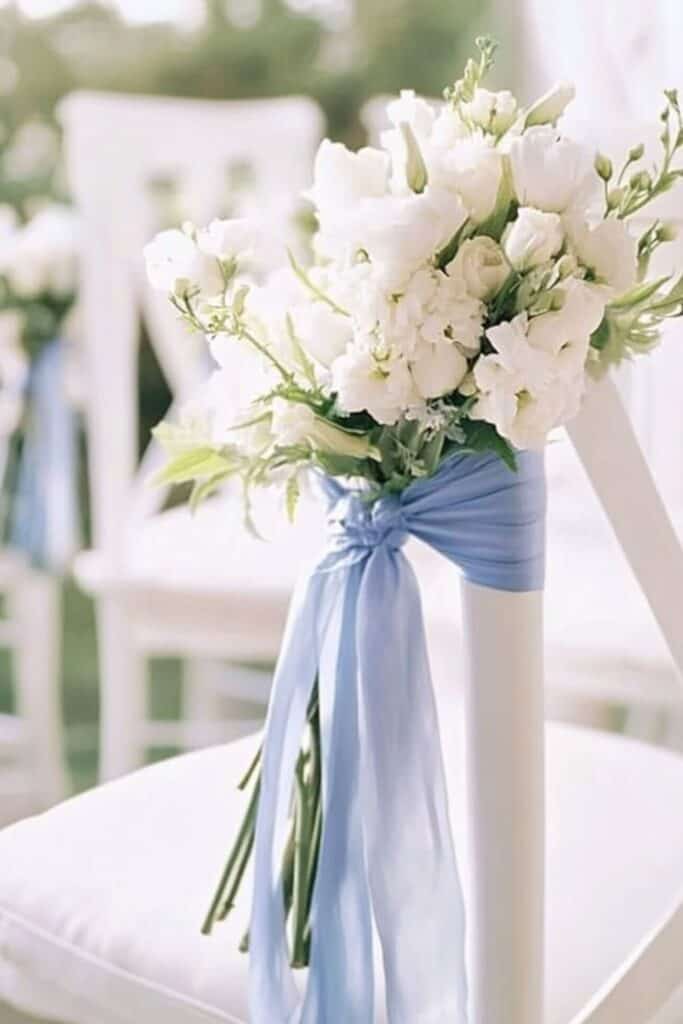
column 165, row 582
column 599, row 823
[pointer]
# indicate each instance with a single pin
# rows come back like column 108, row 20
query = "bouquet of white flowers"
column 38, row 273
column 469, row 275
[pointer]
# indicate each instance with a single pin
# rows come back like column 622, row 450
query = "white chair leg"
column 123, row 691
column 611, row 455
column 35, row 608
column 505, row 779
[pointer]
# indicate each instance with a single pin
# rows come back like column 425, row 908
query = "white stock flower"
column 533, row 238
column 581, row 314
column 550, row 172
column 323, row 333
column 176, row 265
column 437, row 369
column 550, row 107
column 383, row 387
column 292, row 422
column 473, row 167
column 342, row 177
column 228, row 239
column 525, row 388
column 491, row 111
column 481, row 264
column 607, row 250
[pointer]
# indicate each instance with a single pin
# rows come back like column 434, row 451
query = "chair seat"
column 101, row 899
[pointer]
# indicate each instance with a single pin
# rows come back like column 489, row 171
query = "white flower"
column 473, row 167
column 580, row 315
column 399, row 233
column 437, row 369
column 535, row 379
column 454, row 315
column 383, row 387
column 323, row 333
column 42, row 256
column 481, row 264
column 228, row 239
column 412, row 119
column 548, row 171
column 550, row 107
column 533, row 238
column 176, row 265
column 292, row 422
column 607, row 250
column 342, row 177
column 492, row 111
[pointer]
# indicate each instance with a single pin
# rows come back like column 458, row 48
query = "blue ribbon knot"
column 387, row 859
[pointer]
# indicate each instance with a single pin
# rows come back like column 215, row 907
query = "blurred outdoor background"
column 341, row 54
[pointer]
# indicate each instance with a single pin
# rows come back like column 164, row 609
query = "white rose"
column 323, row 333
column 533, row 238
column 607, row 250
column 175, row 265
column 548, row 171
column 342, row 177
column 437, row 369
column 491, row 111
column 473, row 167
column 550, row 107
column 228, row 239
column 482, row 265
column 382, row 387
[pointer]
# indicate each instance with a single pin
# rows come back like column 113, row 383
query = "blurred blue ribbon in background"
column 45, row 515
column 387, row 853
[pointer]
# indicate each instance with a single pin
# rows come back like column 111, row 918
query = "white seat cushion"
column 101, row 899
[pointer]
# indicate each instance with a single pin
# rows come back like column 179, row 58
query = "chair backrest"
column 118, row 148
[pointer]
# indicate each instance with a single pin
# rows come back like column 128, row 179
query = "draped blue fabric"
column 45, row 512
column 387, row 857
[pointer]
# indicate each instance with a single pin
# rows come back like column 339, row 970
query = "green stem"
column 301, row 854
column 243, row 837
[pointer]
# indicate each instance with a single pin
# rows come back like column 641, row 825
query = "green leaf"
column 339, row 465
column 483, row 437
column 199, row 463
column 641, row 293
column 203, row 489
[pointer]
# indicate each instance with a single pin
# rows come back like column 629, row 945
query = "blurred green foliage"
column 380, row 46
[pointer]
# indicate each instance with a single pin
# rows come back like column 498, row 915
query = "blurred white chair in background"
column 32, row 771
column 166, row 582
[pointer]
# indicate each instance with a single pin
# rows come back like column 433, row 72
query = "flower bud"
column 603, row 166
column 551, row 106
column 566, row 265
column 614, row 197
column 416, row 171
column 642, row 180
column 636, row 153
column 667, row 232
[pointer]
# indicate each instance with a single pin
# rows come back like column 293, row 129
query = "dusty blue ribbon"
column 45, row 507
column 387, row 853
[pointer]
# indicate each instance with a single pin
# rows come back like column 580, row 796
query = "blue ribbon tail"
column 44, row 522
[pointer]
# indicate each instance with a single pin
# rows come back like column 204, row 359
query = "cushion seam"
column 107, row 967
